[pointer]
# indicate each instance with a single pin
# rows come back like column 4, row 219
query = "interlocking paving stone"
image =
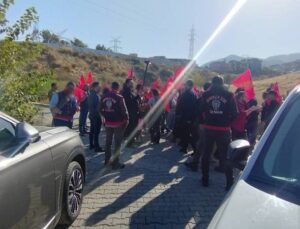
column 154, row 190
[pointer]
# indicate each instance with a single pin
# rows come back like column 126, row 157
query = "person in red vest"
column 114, row 110
column 219, row 109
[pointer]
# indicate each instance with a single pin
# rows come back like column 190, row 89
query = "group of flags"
column 79, row 89
column 245, row 82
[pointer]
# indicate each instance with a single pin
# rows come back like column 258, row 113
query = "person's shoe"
column 118, row 166
column 205, row 182
column 98, row 150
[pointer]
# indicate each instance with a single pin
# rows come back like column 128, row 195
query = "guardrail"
column 44, row 116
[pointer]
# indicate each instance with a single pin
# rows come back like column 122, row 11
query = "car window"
column 277, row 169
column 7, row 134
column 283, row 157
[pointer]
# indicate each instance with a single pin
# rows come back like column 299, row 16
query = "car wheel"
column 73, row 194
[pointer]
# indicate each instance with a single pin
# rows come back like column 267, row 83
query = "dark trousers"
column 189, row 135
column 133, row 123
column 95, row 131
column 155, row 131
column 163, row 121
column 238, row 135
column 222, row 140
column 199, row 146
column 177, row 127
column 252, row 130
column 116, row 134
column 59, row 122
column 82, row 119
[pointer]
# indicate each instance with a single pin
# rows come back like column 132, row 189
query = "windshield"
column 277, row 169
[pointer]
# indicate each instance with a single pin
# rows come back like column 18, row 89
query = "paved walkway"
column 155, row 190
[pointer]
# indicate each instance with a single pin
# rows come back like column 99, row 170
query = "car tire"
column 72, row 194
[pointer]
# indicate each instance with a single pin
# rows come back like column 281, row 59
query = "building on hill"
column 236, row 67
column 162, row 60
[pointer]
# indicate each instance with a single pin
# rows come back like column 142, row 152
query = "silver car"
column 42, row 175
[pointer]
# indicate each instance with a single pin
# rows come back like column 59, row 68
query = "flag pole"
column 147, row 62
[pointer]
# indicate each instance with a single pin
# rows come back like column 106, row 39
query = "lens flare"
column 156, row 110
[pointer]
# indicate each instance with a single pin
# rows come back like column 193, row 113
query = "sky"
column 261, row 28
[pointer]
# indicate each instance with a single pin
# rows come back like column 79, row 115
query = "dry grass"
column 286, row 83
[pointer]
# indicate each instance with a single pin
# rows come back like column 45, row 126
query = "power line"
column 147, row 25
column 192, row 43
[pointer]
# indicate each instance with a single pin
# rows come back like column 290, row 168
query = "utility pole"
column 116, row 47
column 192, row 36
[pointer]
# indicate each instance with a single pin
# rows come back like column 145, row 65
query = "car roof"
column 8, row 118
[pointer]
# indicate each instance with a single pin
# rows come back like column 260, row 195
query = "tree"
column 21, row 26
column 49, row 37
column 102, row 47
column 20, row 86
column 78, row 43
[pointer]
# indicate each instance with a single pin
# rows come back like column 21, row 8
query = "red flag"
column 130, row 73
column 178, row 71
column 155, row 85
column 167, row 85
column 90, row 78
column 245, row 81
column 81, row 82
column 78, row 93
column 276, row 89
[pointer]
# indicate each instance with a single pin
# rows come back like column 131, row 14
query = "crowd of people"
column 205, row 121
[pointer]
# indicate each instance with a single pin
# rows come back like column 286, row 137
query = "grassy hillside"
column 286, row 83
column 69, row 64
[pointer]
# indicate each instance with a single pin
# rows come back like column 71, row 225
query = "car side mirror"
column 25, row 131
column 238, row 153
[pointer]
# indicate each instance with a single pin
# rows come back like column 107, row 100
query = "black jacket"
column 132, row 103
column 270, row 111
column 218, row 108
column 113, row 109
column 93, row 104
column 186, row 107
